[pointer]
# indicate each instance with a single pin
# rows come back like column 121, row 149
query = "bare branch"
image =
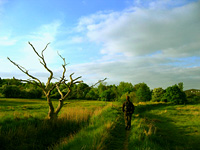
column 28, row 81
column 43, row 62
column 61, row 94
column 98, row 82
column 26, row 72
column 35, row 50
column 44, row 50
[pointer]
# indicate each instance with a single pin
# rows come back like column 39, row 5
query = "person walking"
column 128, row 109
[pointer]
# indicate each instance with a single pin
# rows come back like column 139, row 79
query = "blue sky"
column 156, row 42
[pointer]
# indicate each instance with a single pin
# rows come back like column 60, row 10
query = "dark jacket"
column 128, row 107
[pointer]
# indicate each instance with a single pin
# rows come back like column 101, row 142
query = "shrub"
column 157, row 94
column 175, row 94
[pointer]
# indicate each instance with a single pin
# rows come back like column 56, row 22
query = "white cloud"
column 46, row 33
column 142, row 31
column 144, row 44
column 156, row 72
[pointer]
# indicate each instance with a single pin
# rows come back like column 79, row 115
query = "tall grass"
column 21, row 130
column 94, row 135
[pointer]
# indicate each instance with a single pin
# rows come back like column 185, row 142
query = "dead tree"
column 48, row 87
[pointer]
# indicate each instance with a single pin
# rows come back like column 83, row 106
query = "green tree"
column 92, row 94
column 11, row 91
column 82, row 90
column 107, row 95
column 180, row 85
column 124, row 87
column 175, row 95
column 157, row 94
column 143, row 93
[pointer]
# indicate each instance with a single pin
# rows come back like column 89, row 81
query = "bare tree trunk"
column 51, row 113
column 60, row 105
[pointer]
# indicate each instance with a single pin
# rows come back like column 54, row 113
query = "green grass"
column 23, row 123
column 98, row 125
column 93, row 136
column 166, row 126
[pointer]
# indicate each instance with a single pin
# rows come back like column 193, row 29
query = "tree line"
column 12, row 88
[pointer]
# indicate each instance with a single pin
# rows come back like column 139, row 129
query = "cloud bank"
column 158, row 44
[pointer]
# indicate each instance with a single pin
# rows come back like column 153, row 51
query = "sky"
column 152, row 41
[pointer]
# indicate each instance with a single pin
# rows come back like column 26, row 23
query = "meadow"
column 98, row 125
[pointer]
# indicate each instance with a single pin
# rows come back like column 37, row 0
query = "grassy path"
column 117, row 135
column 118, row 138
column 157, row 127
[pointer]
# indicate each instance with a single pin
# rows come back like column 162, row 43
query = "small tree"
column 143, row 92
column 157, row 94
column 49, row 87
column 124, row 87
column 175, row 95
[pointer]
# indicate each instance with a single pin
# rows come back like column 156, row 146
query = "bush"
column 143, row 93
column 157, row 94
column 175, row 94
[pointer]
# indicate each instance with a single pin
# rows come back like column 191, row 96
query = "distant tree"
column 175, row 95
column 107, row 95
column 92, row 94
column 157, row 94
column 180, row 85
column 34, row 93
column 115, row 93
column 102, row 87
column 11, row 91
column 124, row 87
column 82, row 90
column 143, row 92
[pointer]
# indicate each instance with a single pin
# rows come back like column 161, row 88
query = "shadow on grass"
column 153, row 131
column 33, row 133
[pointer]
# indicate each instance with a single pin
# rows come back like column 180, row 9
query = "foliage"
column 138, row 93
column 143, row 92
column 11, row 91
column 82, row 90
column 174, row 94
column 193, row 95
column 124, row 87
column 106, row 95
column 92, row 94
column 14, row 91
column 157, row 94
column 180, row 85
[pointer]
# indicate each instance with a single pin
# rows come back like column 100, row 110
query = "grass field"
column 98, row 125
